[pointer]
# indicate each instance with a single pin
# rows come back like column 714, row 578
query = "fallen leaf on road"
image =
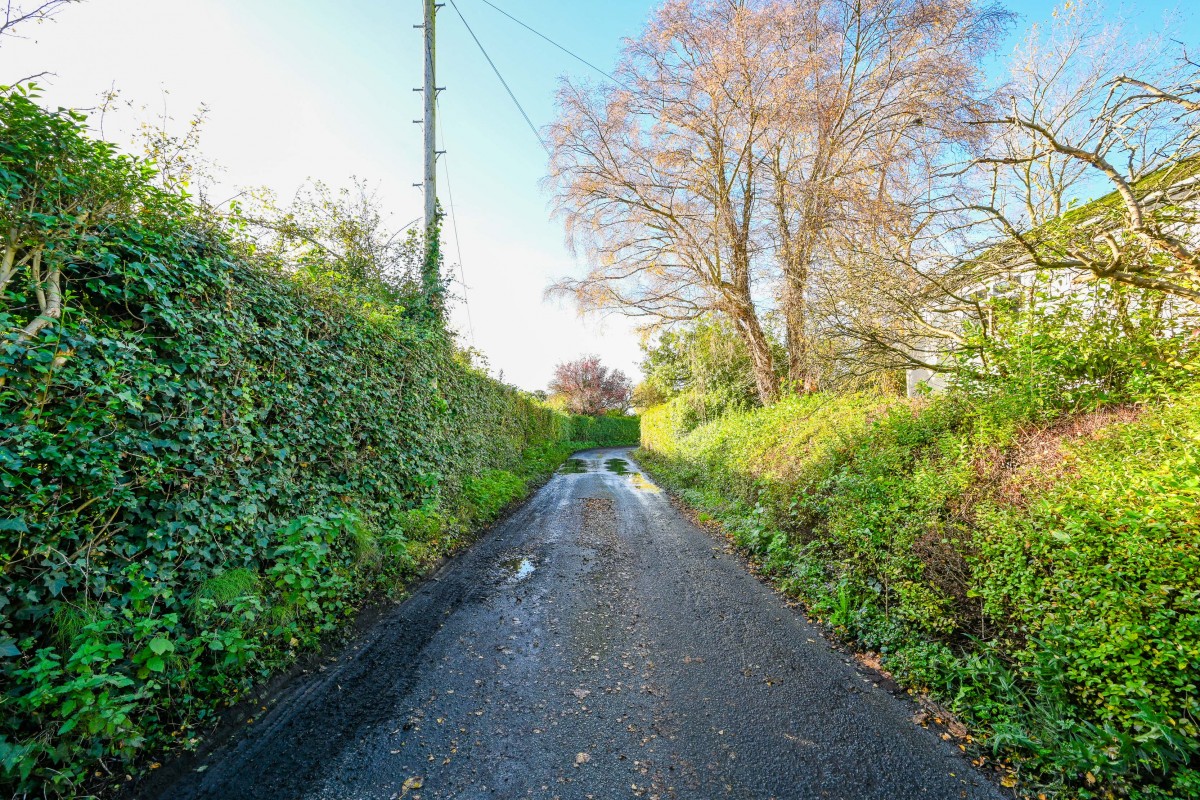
column 580, row 693
column 582, row 758
column 412, row 783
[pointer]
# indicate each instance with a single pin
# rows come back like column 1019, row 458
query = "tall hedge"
column 204, row 463
column 606, row 431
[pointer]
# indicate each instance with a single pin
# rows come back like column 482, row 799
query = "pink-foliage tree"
column 588, row 387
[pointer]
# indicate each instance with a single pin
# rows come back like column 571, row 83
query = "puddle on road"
column 573, row 466
column 617, row 465
column 639, row 482
column 520, row 569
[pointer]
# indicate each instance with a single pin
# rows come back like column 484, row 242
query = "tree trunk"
column 797, row 244
column 795, row 311
column 746, row 320
column 49, row 296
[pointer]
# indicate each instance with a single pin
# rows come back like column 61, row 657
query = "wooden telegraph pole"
column 430, row 277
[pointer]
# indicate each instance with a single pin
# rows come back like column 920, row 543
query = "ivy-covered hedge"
column 205, row 464
column 1036, row 572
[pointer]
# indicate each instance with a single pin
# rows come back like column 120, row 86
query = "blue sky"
column 299, row 88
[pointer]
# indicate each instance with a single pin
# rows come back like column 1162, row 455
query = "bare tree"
column 890, row 297
column 875, row 95
column 751, row 135
column 1091, row 112
column 1087, row 112
column 17, row 14
column 660, row 180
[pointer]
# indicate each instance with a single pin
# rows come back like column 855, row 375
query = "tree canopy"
column 585, row 386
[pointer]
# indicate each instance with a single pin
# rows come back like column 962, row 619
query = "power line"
column 575, row 56
column 516, row 102
column 462, row 275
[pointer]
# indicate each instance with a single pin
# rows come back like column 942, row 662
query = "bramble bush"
column 206, row 464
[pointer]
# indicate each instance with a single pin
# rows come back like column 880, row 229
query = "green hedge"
column 206, row 465
column 1039, row 575
column 606, row 431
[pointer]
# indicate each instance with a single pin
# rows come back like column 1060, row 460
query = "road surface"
column 594, row 645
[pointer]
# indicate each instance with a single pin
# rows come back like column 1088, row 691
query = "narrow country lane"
column 595, row 644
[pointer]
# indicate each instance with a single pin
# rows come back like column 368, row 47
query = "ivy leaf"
column 14, row 525
column 161, row 645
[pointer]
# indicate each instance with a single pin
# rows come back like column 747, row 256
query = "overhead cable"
column 573, row 55
column 503, row 82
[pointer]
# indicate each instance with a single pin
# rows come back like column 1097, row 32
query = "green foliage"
column 664, row 425
column 706, row 363
column 490, row 492
column 206, row 464
column 1037, row 572
column 610, row 430
column 340, row 237
column 739, row 449
column 1066, row 346
column 224, row 588
column 1117, row 630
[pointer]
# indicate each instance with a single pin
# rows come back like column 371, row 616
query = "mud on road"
column 594, row 645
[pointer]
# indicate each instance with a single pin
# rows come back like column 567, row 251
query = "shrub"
column 609, row 430
column 1035, row 570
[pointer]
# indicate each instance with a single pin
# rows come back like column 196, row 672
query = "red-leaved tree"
column 588, row 387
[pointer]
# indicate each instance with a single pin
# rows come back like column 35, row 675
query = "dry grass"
column 1039, row 458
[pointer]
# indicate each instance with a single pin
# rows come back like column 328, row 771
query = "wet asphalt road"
column 594, row 645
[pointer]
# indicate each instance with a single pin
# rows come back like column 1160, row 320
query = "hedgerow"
column 1034, row 570
column 206, row 465
column 606, row 430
